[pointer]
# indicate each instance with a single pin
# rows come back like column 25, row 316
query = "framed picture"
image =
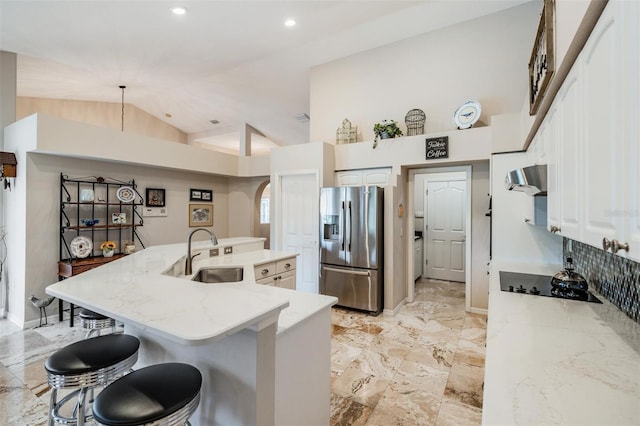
column 207, row 195
column 542, row 61
column 155, row 197
column 200, row 215
column 195, row 195
column 119, row 218
column 200, row 195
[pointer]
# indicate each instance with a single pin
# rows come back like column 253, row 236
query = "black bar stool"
column 84, row 365
column 94, row 322
column 161, row 394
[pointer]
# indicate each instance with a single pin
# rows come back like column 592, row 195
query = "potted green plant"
column 387, row 129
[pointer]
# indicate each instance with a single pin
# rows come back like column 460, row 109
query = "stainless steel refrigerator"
column 351, row 243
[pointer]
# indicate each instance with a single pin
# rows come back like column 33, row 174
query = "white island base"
column 240, row 386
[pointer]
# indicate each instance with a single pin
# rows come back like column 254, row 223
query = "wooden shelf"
column 70, row 267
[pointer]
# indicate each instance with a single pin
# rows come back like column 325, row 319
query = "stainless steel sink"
column 219, row 274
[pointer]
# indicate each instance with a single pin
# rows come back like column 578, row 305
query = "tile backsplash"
column 614, row 277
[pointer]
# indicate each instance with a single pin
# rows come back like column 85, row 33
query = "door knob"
column 606, row 244
column 616, row 246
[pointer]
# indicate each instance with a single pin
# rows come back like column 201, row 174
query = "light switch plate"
column 154, row 212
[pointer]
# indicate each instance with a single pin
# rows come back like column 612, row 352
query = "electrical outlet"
column 214, row 252
column 228, row 250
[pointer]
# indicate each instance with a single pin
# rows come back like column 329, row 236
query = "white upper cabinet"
column 568, row 156
column 595, row 159
column 553, row 189
column 631, row 93
column 601, row 81
column 377, row 177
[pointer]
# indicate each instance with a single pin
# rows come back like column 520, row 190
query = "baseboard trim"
column 478, row 311
column 393, row 312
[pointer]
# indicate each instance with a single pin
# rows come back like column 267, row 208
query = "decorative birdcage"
column 414, row 120
column 347, row 133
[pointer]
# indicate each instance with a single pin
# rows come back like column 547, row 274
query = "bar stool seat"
column 85, row 365
column 95, row 322
column 166, row 394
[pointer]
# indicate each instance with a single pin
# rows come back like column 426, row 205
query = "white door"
column 300, row 226
column 446, row 229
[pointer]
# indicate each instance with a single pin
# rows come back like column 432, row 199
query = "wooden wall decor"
column 8, row 163
column 542, row 61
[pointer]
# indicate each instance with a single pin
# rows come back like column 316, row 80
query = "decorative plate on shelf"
column 467, row 115
column 81, row 247
column 125, row 194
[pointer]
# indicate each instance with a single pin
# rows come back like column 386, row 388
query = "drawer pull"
column 265, row 271
column 287, row 265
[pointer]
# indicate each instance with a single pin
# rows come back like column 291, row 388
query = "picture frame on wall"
column 200, row 195
column 542, row 60
column 200, row 215
column 155, row 197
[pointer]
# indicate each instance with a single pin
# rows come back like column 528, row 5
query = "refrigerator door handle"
column 347, row 271
column 349, row 228
column 341, row 230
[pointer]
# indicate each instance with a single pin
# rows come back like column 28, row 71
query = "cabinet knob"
column 606, row 244
column 616, row 246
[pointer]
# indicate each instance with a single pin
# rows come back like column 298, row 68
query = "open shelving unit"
column 89, row 199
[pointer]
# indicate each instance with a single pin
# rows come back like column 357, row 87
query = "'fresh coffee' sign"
column 438, row 148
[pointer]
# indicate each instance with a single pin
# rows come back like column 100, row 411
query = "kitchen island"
column 557, row 361
column 264, row 351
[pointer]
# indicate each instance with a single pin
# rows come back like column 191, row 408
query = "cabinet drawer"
column 264, row 270
column 285, row 265
column 267, row 281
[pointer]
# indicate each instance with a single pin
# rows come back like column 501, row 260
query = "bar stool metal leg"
column 83, row 366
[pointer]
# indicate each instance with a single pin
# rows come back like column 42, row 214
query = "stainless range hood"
column 531, row 180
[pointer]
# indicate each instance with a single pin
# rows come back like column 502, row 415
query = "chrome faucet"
column 188, row 270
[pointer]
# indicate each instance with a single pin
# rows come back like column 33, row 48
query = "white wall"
column 513, row 239
column 103, row 114
column 484, row 59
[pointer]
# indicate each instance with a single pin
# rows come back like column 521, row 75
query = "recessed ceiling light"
column 168, row 114
column 178, row 10
column 214, row 121
column 290, row 23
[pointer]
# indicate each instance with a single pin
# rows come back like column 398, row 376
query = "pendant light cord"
column 122, row 126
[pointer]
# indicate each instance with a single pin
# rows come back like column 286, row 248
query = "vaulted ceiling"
column 231, row 61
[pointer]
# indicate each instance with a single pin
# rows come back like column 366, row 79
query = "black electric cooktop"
column 540, row 285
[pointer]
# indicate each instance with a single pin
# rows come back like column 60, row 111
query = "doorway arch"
column 262, row 218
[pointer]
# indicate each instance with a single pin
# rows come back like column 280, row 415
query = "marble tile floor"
column 424, row 366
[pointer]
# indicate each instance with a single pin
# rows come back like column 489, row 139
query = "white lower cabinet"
column 281, row 273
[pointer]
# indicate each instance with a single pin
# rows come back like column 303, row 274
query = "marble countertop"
column 554, row 361
column 136, row 290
